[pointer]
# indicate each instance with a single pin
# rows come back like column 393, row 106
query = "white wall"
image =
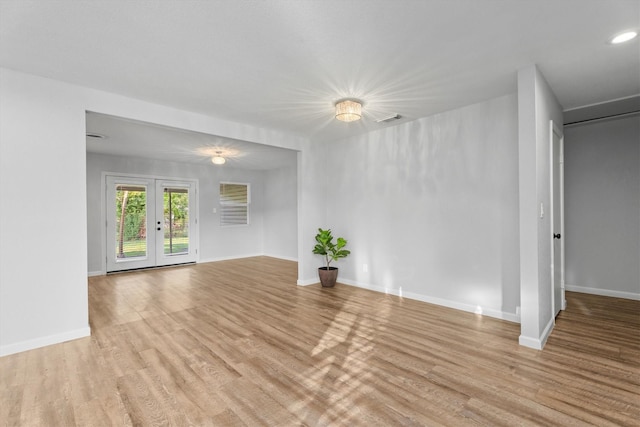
column 43, row 255
column 43, row 174
column 537, row 106
column 281, row 213
column 312, row 209
column 277, row 216
column 602, row 207
column 431, row 208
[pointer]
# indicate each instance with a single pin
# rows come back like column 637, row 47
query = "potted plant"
column 332, row 252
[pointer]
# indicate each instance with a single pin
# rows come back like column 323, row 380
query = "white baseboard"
column 19, row 347
column 307, row 282
column 511, row 317
column 538, row 343
column 534, row 343
column 546, row 333
column 96, row 273
column 281, row 257
column 603, row 292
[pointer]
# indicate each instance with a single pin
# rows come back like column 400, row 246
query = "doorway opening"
column 150, row 222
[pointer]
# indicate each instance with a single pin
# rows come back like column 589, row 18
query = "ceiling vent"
column 390, row 118
column 96, row 136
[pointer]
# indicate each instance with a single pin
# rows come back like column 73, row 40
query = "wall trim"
column 21, row 346
column 546, row 333
column 286, row 258
column 510, row 317
column 603, row 292
column 96, row 273
column 538, row 343
column 534, row 343
column 307, row 282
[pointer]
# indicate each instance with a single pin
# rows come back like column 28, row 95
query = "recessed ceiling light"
column 624, row 37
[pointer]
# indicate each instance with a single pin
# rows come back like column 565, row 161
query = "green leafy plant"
column 326, row 247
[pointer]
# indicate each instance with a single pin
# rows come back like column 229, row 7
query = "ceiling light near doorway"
column 218, row 159
column 623, row 37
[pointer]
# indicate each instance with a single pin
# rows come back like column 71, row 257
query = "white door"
column 175, row 222
column 149, row 222
column 557, row 219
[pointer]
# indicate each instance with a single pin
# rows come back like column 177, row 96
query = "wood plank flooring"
column 237, row 343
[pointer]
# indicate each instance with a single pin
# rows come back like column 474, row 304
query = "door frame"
column 555, row 133
column 163, row 259
column 103, row 210
column 148, row 259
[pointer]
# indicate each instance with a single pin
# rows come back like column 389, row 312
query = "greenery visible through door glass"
column 131, row 223
column 176, row 221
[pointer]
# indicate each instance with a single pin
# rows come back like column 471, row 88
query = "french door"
column 150, row 222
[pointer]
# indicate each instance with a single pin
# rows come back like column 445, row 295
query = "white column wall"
column 537, row 106
column 312, row 209
column 43, row 243
column 281, row 213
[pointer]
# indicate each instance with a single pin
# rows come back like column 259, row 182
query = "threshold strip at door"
column 150, row 268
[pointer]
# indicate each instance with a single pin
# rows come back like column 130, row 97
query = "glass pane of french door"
column 130, row 212
column 176, row 220
column 175, row 215
column 131, row 221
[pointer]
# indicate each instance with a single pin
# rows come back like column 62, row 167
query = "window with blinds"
column 234, row 203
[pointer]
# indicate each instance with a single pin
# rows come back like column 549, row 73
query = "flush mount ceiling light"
column 218, row 159
column 623, row 37
column 349, row 110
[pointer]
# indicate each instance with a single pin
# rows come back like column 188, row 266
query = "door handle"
column 556, row 236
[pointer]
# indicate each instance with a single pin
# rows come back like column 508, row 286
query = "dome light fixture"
column 218, row 159
column 348, row 110
column 623, row 37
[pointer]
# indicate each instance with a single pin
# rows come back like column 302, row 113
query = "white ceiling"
column 282, row 64
column 138, row 139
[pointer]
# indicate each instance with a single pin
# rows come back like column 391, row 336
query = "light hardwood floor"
column 238, row 343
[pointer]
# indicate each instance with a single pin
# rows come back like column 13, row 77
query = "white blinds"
column 234, row 204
